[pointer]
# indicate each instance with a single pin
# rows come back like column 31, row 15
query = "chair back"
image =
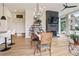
column 46, row 37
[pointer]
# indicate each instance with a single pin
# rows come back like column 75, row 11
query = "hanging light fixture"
column 38, row 12
column 3, row 17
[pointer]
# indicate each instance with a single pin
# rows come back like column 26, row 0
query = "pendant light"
column 38, row 12
column 3, row 17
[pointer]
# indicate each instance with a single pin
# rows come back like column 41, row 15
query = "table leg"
column 6, row 47
column 11, row 40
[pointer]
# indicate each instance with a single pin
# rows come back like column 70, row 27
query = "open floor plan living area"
column 39, row 29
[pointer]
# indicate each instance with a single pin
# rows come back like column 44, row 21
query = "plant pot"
column 74, row 40
column 76, row 43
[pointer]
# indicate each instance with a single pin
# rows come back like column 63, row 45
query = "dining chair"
column 46, row 41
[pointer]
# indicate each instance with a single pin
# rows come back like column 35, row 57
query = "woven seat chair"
column 46, row 41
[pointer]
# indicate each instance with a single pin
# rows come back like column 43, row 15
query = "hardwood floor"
column 22, row 48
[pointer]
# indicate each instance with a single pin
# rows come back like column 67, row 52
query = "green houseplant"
column 75, row 38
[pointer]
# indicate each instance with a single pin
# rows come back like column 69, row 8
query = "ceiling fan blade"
column 66, row 6
column 71, row 6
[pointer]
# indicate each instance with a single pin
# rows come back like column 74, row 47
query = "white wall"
column 7, row 13
column 3, row 25
column 18, row 25
column 29, row 21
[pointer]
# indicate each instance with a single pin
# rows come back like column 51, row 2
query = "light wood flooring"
column 22, row 48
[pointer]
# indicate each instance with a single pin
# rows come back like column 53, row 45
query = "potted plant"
column 75, row 38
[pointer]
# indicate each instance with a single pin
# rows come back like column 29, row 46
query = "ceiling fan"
column 67, row 6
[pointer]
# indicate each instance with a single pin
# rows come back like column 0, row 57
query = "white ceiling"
column 47, row 6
